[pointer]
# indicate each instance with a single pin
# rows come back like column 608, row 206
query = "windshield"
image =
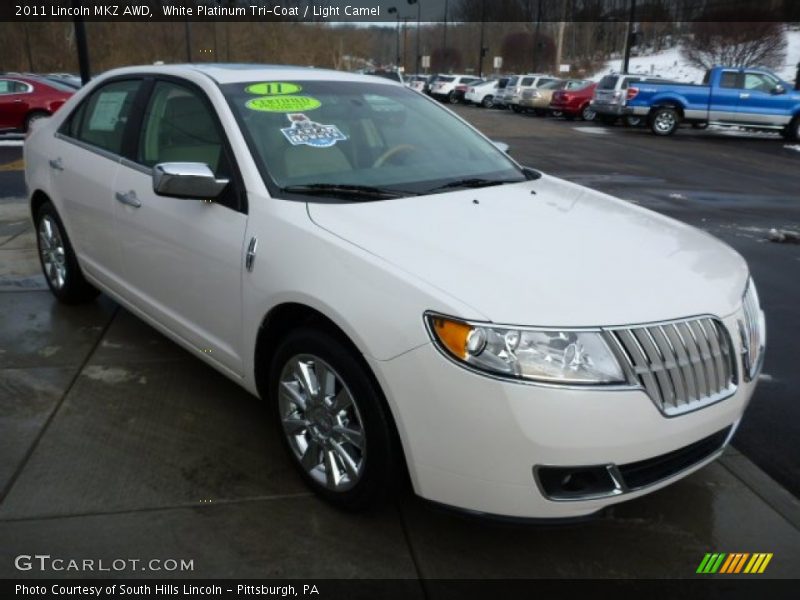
column 360, row 134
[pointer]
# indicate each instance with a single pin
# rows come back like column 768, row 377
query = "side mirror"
column 778, row 89
column 187, row 180
column 502, row 146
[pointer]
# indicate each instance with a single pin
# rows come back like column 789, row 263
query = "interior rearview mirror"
column 187, row 180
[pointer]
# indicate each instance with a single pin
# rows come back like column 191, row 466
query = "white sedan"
column 520, row 345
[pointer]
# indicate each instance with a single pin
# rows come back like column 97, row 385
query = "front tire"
column 488, row 102
column 664, row 121
column 57, row 258
column 587, row 114
column 333, row 419
column 632, row 121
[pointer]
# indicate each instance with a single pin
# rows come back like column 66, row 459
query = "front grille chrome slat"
column 682, row 365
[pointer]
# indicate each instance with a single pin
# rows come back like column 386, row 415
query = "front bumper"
column 473, row 442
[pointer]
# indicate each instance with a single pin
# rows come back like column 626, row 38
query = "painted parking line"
column 17, row 165
column 599, row 130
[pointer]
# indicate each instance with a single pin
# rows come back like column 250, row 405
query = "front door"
column 184, row 258
column 759, row 103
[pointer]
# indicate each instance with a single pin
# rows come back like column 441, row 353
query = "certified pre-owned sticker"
column 273, row 88
column 305, row 132
column 283, row 104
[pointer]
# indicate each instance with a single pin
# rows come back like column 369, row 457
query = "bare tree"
column 746, row 43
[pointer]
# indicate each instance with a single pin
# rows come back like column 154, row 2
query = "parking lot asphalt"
column 117, row 443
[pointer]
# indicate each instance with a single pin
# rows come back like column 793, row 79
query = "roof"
column 224, row 73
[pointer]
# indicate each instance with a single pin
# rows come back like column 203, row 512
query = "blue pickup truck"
column 754, row 98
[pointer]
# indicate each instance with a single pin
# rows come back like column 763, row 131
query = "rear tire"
column 34, row 116
column 340, row 436
column 57, row 258
column 488, row 102
column 664, row 121
column 792, row 130
column 451, row 98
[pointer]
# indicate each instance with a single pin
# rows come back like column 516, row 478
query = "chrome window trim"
column 90, row 147
column 28, row 90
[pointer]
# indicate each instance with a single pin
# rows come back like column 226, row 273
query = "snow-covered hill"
column 670, row 64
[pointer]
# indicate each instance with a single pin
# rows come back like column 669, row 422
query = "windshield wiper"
column 346, row 191
column 473, row 182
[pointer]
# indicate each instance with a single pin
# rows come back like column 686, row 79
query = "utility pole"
column 419, row 8
column 482, row 50
column 393, row 11
column 188, row 40
column 28, row 48
column 80, row 42
column 444, row 37
column 629, row 37
column 536, row 36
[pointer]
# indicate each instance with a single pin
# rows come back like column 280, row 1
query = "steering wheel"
column 392, row 152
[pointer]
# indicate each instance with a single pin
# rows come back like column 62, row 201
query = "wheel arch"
column 38, row 198
column 287, row 316
column 668, row 102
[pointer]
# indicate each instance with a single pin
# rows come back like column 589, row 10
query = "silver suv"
column 518, row 84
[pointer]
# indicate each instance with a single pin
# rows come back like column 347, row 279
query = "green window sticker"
column 273, row 88
column 283, row 104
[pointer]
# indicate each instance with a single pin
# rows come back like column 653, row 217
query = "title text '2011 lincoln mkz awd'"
column 521, row 345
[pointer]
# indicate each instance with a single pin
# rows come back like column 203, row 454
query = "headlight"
column 753, row 332
column 550, row 356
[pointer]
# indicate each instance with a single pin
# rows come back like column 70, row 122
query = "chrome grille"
column 682, row 365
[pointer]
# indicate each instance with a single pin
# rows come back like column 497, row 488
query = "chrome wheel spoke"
column 292, row 395
column 294, row 425
column 340, row 402
column 308, row 380
column 350, row 466
column 310, row 459
column 356, row 438
column 332, row 475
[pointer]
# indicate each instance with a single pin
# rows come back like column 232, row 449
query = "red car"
column 574, row 103
column 24, row 98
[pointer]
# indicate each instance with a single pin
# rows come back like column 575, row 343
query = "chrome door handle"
column 55, row 163
column 744, row 96
column 250, row 257
column 128, row 199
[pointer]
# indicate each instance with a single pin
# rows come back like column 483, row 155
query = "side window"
column 9, row 86
column 180, row 127
column 105, row 115
column 526, row 82
column 729, row 80
column 758, row 82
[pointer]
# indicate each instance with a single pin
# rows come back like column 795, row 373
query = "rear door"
column 183, row 259
column 759, row 103
column 85, row 156
column 14, row 103
column 725, row 96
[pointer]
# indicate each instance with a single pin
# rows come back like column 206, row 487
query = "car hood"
column 547, row 252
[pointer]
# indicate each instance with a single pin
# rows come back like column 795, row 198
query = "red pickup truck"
column 24, row 98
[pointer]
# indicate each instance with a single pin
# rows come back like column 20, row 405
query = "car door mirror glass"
column 778, row 89
column 194, row 181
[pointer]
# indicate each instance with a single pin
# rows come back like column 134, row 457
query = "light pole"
column 80, row 41
column 629, row 38
column 416, row 61
column 482, row 50
column 393, row 11
column 444, row 38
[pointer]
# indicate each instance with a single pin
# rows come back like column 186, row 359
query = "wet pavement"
column 117, row 443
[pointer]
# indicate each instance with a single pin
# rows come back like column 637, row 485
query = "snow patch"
column 795, row 147
column 596, row 130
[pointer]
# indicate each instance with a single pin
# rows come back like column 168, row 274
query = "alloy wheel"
column 52, row 251
column 588, row 114
column 665, row 121
column 322, row 423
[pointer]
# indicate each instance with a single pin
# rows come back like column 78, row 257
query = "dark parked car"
column 25, row 98
column 574, row 103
